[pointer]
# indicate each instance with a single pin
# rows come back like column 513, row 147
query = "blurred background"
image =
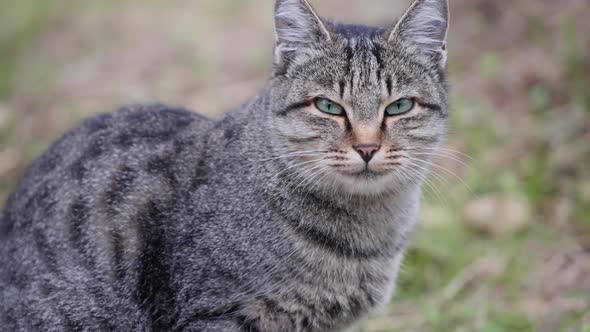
column 504, row 243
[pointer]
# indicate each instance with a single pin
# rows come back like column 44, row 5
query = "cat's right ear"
column 298, row 28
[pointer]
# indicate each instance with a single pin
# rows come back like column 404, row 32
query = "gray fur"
column 266, row 219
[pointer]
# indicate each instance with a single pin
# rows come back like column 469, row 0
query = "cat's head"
column 355, row 108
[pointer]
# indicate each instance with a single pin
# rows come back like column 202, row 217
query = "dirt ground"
column 504, row 243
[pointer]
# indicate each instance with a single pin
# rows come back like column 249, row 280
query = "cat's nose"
column 367, row 151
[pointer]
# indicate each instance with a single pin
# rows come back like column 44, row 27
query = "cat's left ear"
column 426, row 24
column 298, row 28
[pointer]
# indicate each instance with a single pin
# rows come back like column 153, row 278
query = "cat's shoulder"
column 132, row 125
column 125, row 128
column 131, row 133
column 138, row 119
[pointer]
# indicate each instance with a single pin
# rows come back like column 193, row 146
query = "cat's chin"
column 366, row 183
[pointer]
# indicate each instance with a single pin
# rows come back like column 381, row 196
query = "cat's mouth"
column 366, row 174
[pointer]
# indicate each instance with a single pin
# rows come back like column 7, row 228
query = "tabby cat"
column 291, row 213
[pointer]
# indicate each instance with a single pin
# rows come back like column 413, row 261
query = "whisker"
column 325, row 173
column 433, row 188
column 442, row 153
column 338, row 165
column 298, row 165
column 307, row 169
column 304, row 183
column 442, row 149
column 446, row 171
column 444, row 156
column 396, row 156
column 296, row 154
column 432, row 172
column 304, row 173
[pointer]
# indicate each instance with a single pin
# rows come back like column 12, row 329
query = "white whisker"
column 446, row 171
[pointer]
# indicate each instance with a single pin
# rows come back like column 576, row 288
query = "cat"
column 291, row 213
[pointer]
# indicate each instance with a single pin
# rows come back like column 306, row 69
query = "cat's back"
column 103, row 157
column 84, row 210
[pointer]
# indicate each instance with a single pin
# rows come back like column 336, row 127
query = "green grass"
column 576, row 63
column 20, row 22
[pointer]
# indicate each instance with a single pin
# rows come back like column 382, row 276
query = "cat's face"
column 360, row 109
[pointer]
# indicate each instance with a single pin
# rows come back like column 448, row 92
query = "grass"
column 524, row 139
column 21, row 22
column 575, row 62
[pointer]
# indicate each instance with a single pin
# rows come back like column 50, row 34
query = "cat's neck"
column 355, row 226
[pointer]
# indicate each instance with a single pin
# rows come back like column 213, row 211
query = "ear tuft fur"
column 426, row 24
column 297, row 27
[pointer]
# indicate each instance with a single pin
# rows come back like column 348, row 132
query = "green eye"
column 328, row 106
column 400, row 107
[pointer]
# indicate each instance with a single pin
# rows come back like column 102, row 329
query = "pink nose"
column 367, row 151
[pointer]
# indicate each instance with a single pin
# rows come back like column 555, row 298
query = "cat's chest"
column 327, row 295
